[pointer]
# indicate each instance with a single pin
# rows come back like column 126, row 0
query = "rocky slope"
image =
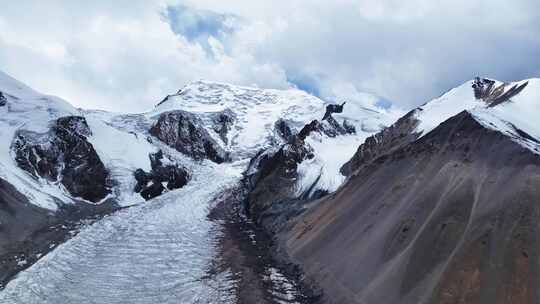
column 185, row 132
column 439, row 208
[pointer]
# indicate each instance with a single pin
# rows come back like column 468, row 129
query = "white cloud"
column 124, row 55
column 120, row 57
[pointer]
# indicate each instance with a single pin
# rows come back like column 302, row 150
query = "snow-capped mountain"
column 253, row 113
column 440, row 207
column 425, row 210
column 58, row 162
column 510, row 108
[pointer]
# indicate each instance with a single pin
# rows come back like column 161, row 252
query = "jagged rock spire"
column 333, row 108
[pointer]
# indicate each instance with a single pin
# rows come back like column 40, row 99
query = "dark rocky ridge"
column 449, row 218
column 394, row 137
column 64, row 155
column 272, row 199
column 150, row 184
column 271, row 176
column 333, row 108
column 185, row 132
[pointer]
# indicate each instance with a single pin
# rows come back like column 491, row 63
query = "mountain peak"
column 495, row 103
column 510, row 108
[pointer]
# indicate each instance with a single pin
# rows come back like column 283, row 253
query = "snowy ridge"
column 123, row 145
column 257, row 110
column 516, row 117
column 323, row 171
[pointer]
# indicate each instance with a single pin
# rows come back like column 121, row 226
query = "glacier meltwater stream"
column 157, row 252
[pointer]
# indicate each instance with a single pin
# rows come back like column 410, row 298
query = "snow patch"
column 322, row 172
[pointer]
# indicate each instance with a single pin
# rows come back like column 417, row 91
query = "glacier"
column 160, row 251
column 150, row 253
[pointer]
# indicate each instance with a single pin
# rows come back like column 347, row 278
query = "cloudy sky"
column 125, row 55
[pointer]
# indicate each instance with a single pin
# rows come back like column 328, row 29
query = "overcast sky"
column 125, row 55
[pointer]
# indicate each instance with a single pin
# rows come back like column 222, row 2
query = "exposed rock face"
column 449, row 218
column 403, row 131
column 389, row 139
column 329, row 127
column 3, row 99
column 64, row 155
column 333, row 108
column 313, row 126
column 271, row 180
column 493, row 95
column 284, row 130
column 272, row 174
column 185, row 132
column 332, row 128
column 222, row 123
column 150, row 184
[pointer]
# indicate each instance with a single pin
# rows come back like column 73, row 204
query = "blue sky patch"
column 197, row 26
column 304, row 83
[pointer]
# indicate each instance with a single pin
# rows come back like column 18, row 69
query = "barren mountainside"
column 434, row 213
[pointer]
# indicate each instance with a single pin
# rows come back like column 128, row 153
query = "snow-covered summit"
column 258, row 109
column 511, row 108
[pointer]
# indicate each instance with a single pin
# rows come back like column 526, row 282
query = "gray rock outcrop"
column 64, row 155
column 151, row 184
column 185, row 132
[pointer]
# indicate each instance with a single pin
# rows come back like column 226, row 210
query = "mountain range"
column 363, row 204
